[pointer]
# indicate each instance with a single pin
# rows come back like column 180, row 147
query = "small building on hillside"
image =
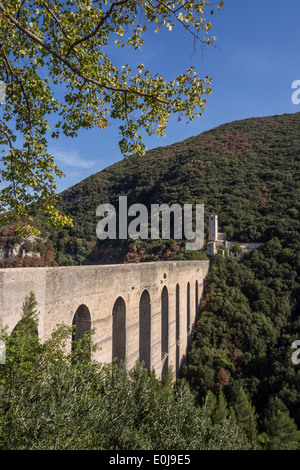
column 217, row 239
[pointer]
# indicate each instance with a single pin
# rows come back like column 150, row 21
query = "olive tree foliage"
column 69, row 44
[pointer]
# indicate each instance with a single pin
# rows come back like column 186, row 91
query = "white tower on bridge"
column 213, row 228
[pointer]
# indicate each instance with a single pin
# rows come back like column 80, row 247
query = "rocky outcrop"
column 17, row 249
column 11, row 251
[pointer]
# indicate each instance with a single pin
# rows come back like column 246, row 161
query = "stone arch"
column 165, row 329
column 82, row 323
column 177, row 317
column 145, row 329
column 188, row 307
column 119, row 330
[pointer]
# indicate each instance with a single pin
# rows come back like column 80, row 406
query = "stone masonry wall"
column 60, row 291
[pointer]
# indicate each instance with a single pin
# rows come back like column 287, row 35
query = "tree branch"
column 72, row 67
column 59, row 25
column 22, row 88
column 99, row 25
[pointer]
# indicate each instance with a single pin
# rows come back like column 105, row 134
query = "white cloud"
column 71, row 158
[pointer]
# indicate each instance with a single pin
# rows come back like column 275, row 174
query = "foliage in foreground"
column 74, row 45
column 51, row 399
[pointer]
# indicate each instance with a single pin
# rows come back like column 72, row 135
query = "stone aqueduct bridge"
column 140, row 311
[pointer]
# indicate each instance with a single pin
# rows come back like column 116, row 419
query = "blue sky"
column 253, row 68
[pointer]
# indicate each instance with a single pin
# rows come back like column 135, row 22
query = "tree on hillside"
column 245, row 415
column 237, row 249
column 221, row 411
column 67, row 43
column 281, row 433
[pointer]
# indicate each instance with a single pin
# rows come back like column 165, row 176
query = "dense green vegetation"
column 249, row 320
column 53, row 399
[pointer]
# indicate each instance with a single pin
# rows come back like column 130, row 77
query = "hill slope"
column 246, row 171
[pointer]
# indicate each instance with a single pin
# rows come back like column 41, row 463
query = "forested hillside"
column 243, row 340
column 247, row 172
